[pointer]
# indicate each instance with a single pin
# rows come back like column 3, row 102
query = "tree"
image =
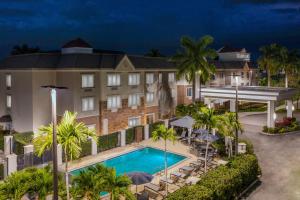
column 183, row 110
column 154, row 53
column 194, row 59
column 288, row 61
column 269, row 60
column 207, row 117
column 24, row 49
column 230, row 124
column 70, row 135
column 166, row 134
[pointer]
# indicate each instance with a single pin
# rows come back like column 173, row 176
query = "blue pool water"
column 149, row 160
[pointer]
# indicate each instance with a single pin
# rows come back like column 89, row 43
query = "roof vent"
column 77, row 46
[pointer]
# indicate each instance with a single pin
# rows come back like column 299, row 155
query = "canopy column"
column 271, row 114
column 289, row 108
column 232, row 105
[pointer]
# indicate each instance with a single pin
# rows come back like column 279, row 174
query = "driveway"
column 279, row 158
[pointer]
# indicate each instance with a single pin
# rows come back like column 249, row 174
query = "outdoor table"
column 163, row 179
column 178, row 174
column 186, row 169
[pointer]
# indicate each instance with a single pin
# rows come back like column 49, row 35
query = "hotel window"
column 113, row 80
column 8, row 101
column 8, row 81
column 149, row 78
column 133, row 121
column 171, row 77
column 134, row 79
column 133, row 100
column 149, row 97
column 150, row 118
column 87, row 103
column 87, row 80
column 189, row 92
column 113, row 102
column 160, row 77
column 242, row 74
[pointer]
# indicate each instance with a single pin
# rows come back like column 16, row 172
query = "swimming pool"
column 149, row 160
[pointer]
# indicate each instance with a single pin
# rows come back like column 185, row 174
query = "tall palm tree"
column 194, row 59
column 154, row 53
column 289, row 62
column 166, row 134
column 269, row 60
column 70, row 135
column 230, row 124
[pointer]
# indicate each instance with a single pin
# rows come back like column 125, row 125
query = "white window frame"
column 90, row 104
column 114, row 102
column 8, row 101
column 160, row 77
column 148, row 95
column 171, row 77
column 8, row 80
column 187, row 91
column 138, row 119
column 149, row 78
column 134, row 78
column 113, row 79
column 87, row 80
column 133, row 100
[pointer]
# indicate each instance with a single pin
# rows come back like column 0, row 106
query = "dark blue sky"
column 138, row 25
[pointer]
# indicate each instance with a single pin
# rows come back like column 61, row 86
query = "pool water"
column 149, row 160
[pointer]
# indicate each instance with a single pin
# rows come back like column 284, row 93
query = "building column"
column 123, row 138
column 146, row 131
column 271, row 114
column 232, row 105
column 8, row 144
column 289, row 108
column 189, row 135
column 11, row 164
column 94, row 146
column 59, row 154
column 105, row 126
column 166, row 122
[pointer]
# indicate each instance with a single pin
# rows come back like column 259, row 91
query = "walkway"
column 279, row 158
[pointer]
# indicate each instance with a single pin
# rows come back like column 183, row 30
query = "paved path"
column 279, row 158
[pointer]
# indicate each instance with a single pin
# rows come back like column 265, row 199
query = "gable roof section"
column 78, row 42
column 228, row 49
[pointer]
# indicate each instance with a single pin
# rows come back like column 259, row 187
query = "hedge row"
column 223, row 183
column 106, row 142
column 86, row 149
column 1, row 171
column 21, row 140
column 130, row 135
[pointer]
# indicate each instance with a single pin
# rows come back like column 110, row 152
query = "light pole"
column 54, row 143
column 200, row 84
column 236, row 114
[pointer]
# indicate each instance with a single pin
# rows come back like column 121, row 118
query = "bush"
column 106, row 142
column 1, row 171
column 223, row 183
column 287, row 125
column 86, row 149
column 130, row 135
column 21, row 140
column 153, row 126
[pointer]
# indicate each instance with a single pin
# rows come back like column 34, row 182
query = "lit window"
column 149, row 78
column 133, row 121
column 189, row 92
column 149, row 97
column 134, row 79
column 113, row 102
column 171, row 77
column 133, row 100
column 113, row 80
column 87, row 103
column 87, row 80
column 8, row 101
column 8, row 80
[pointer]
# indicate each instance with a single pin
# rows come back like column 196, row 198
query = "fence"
column 31, row 159
column 110, row 141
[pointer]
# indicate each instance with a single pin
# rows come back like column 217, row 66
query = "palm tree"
column 70, row 135
column 166, row 134
column 194, row 59
column 289, row 62
column 24, row 49
column 269, row 60
column 154, row 53
column 117, row 186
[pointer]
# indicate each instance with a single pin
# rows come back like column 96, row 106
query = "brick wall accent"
column 119, row 120
column 181, row 95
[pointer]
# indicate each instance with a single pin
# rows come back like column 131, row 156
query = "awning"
column 5, row 119
column 186, row 122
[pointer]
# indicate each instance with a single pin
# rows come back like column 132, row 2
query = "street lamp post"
column 236, row 115
column 54, row 142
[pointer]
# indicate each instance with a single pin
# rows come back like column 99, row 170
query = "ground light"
column 54, row 143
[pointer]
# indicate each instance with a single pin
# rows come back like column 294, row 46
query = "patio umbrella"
column 139, row 178
column 208, row 138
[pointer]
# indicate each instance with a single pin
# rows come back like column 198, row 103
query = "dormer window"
column 87, row 80
column 134, row 79
column 113, row 80
column 149, row 78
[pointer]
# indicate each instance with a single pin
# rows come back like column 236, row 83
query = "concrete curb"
column 280, row 134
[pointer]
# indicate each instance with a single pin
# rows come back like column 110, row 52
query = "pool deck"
column 177, row 148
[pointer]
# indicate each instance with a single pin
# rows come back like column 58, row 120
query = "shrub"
column 86, row 149
column 109, row 141
column 225, row 182
column 1, row 171
column 153, row 126
column 130, row 135
column 21, row 140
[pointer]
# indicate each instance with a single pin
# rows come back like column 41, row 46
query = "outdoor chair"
column 179, row 174
column 186, row 169
column 143, row 196
column 154, row 190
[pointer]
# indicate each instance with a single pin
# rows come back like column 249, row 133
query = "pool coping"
column 132, row 150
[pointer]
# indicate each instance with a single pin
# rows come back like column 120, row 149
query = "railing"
column 31, row 159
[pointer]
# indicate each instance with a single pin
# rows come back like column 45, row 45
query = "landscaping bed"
column 223, row 183
column 287, row 125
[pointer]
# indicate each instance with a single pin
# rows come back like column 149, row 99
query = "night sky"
column 135, row 26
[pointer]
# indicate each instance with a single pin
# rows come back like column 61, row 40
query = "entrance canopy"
column 185, row 122
column 249, row 93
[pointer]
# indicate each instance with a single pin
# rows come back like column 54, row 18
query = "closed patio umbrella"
column 139, row 178
column 208, row 138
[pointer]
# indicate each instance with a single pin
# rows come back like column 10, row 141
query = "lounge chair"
column 155, row 190
column 186, row 169
column 178, row 174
